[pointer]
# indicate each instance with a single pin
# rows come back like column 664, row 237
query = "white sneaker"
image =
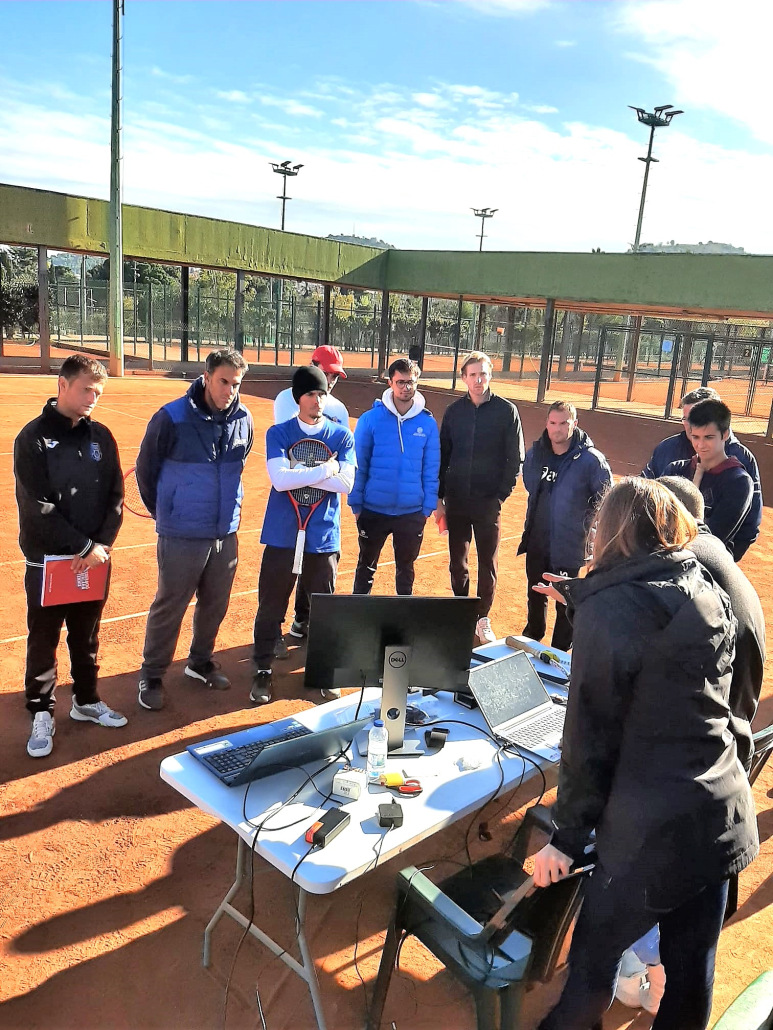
column 484, row 632
column 41, row 742
column 330, row 693
column 98, row 712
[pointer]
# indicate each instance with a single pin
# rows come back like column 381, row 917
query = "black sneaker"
column 209, row 674
column 151, row 694
column 299, row 629
column 261, row 687
column 281, row 650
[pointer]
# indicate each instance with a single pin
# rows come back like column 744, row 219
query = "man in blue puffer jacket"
column 396, row 484
column 565, row 477
column 189, row 471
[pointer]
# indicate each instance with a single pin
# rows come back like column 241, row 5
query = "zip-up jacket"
column 582, row 479
column 189, row 469
column 649, row 758
column 398, row 459
column 679, row 448
column 727, row 492
column 481, row 449
column 69, row 486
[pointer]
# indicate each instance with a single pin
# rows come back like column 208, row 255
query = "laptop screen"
column 507, row 688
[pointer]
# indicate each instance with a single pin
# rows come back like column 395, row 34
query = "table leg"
column 309, row 968
column 225, row 903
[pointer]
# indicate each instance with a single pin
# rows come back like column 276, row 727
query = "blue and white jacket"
column 398, row 459
column 189, row 469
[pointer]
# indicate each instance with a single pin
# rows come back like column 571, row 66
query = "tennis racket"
column 308, row 452
column 544, row 654
column 131, row 495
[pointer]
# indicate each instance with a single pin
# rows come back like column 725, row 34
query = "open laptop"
column 271, row 747
column 516, row 706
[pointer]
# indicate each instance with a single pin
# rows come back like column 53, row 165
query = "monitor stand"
column 394, row 696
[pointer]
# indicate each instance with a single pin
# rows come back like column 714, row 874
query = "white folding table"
column 449, row 794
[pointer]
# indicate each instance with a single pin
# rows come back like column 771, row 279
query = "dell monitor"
column 396, row 643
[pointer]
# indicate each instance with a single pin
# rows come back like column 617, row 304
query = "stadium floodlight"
column 284, row 169
column 483, row 213
column 660, row 118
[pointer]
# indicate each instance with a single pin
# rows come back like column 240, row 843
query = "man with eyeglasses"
column 680, row 448
column 481, row 454
column 396, row 483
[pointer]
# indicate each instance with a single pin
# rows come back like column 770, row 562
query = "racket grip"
column 300, row 543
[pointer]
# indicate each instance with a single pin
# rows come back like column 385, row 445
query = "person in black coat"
column 649, row 761
column 69, row 489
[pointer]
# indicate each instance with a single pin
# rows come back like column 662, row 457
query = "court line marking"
column 246, row 593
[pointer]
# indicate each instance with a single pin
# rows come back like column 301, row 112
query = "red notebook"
column 63, row 586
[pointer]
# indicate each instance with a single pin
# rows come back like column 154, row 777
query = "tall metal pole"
column 647, row 162
column 116, row 192
column 482, row 228
column 284, row 200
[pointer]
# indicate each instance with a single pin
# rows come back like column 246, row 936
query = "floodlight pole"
column 116, row 191
column 647, row 162
column 483, row 213
column 284, row 169
column 657, row 119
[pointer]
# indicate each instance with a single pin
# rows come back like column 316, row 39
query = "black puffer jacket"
column 649, row 756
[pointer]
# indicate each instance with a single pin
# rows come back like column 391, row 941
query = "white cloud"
column 404, row 172
column 233, row 96
column 565, row 42
column 715, row 54
column 180, row 80
column 291, row 107
column 432, row 100
column 540, row 109
column 505, row 7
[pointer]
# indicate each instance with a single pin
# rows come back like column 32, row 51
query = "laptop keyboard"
column 226, row 763
column 540, row 731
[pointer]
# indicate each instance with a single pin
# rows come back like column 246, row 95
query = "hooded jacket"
column 398, row 459
column 727, row 491
column 481, row 449
column 189, row 469
column 679, row 448
column 649, row 757
column 69, row 486
column 583, row 477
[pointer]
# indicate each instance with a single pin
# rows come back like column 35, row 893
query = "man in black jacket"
column 69, row 489
column 749, row 662
column 481, row 453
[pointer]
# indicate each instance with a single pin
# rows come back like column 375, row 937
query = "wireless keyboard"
column 235, row 759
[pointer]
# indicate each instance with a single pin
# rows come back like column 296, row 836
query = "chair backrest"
column 546, row 917
column 763, row 746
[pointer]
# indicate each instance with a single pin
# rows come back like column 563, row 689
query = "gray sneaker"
column 299, row 629
column 281, row 650
column 260, row 694
column 209, row 674
column 41, row 742
column 99, row 713
column 150, row 694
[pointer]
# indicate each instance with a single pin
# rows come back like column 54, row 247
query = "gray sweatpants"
column 205, row 568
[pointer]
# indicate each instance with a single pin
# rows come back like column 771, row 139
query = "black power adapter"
column 327, row 828
column 390, row 815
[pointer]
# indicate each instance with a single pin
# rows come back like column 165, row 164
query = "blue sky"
column 405, row 114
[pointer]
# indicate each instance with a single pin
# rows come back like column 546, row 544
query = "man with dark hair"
column 396, row 483
column 749, row 661
column 565, row 477
column 280, row 525
column 331, row 361
column 69, row 489
column 481, row 453
column 189, row 472
column 680, row 448
column 726, row 486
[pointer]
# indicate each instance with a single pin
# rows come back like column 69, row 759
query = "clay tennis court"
column 108, row 877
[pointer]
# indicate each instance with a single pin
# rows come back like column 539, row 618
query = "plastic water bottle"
column 377, row 750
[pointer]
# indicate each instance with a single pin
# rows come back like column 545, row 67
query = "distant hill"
column 363, row 241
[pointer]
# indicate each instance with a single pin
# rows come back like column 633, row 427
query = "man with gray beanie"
column 322, row 543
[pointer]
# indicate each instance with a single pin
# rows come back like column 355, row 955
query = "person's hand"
column 550, row 866
column 331, row 467
column 548, row 589
column 98, row 555
column 440, row 511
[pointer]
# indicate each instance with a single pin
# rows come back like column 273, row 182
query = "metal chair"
column 489, row 926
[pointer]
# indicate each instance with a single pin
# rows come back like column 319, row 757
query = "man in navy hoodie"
column 396, row 483
column 679, row 448
column 565, row 477
column 189, row 471
column 727, row 488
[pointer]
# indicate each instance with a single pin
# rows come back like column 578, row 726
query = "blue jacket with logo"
column 398, row 459
column 582, row 479
column 189, row 469
column 679, row 448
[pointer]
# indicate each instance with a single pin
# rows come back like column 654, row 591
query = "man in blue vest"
column 396, row 483
column 189, row 471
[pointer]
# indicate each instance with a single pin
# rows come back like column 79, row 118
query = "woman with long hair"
column 649, row 761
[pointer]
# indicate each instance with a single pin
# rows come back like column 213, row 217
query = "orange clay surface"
column 108, row 877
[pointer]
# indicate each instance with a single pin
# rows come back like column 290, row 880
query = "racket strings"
column 310, row 453
column 132, row 498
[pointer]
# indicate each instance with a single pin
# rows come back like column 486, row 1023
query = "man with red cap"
column 331, row 361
